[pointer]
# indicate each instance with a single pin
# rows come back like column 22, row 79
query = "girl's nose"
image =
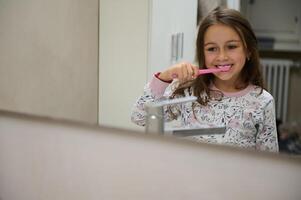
column 222, row 56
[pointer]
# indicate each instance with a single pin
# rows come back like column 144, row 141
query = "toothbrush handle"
column 208, row 71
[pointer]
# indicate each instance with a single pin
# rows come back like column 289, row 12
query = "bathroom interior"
column 70, row 72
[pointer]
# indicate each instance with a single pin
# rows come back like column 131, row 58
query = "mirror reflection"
column 226, row 82
column 81, row 61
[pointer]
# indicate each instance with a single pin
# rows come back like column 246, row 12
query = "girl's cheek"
column 237, row 54
column 209, row 58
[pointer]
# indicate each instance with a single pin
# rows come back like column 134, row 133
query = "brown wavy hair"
column 251, row 72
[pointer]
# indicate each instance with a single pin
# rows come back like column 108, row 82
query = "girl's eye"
column 212, row 49
column 232, row 46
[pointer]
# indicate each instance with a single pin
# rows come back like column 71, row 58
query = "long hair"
column 251, row 72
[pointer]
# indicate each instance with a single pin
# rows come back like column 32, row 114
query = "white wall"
column 49, row 58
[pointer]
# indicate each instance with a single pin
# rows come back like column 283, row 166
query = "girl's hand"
column 182, row 71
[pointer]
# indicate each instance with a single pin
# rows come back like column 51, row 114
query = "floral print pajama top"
column 249, row 117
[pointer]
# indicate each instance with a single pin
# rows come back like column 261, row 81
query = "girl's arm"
column 156, row 89
column 266, row 139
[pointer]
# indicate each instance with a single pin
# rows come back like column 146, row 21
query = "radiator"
column 276, row 74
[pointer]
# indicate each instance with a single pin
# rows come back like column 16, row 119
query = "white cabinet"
column 135, row 40
column 276, row 19
column 172, row 33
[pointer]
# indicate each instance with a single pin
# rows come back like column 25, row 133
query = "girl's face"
column 224, row 47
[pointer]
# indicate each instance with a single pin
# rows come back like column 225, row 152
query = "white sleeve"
column 155, row 90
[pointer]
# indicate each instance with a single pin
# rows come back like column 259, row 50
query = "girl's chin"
column 224, row 77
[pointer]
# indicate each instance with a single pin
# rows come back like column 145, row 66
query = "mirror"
column 89, row 61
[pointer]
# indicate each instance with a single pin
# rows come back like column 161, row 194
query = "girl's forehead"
column 221, row 33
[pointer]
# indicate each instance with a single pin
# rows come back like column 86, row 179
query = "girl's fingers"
column 183, row 72
column 190, row 72
column 195, row 71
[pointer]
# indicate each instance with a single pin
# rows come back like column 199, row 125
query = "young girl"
column 234, row 98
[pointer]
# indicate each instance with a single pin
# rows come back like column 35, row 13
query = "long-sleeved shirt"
column 248, row 115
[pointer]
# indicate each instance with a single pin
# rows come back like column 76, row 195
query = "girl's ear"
column 248, row 55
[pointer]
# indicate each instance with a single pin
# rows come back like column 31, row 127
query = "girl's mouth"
column 225, row 67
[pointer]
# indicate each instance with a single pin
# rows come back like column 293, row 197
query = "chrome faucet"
column 155, row 113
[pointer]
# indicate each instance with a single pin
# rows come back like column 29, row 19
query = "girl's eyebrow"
column 233, row 41
column 213, row 43
column 209, row 43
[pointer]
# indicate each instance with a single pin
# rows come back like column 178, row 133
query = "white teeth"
column 222, row 66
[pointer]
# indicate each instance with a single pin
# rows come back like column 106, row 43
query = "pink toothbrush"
column 208, row 71
column 221, row 69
